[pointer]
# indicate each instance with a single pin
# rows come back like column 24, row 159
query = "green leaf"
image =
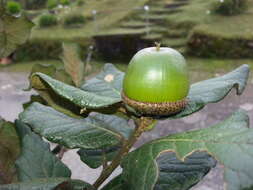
column 50, row 98
column 60, row 104
column 215, row 89
column 75, row 95
column 9, row 152
column 62, row 76
column 211, row 91
column 107, row 83
column 104, row 95
column 52, row 71
column 43, row 68
column 174, row 174
column 95, row 158
column 49, row 184
column 34, row 98
column 38, row 184
column 177, row 175
column 14, row 31
column 74, row 185
column 22, row 129
column 47, row 69
column 36, row 160
column 73, row 63
column 94, row 132
column 224, row 141
column 115, row 184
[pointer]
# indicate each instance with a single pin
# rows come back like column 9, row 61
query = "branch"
column 142, row 126
column 59, row 151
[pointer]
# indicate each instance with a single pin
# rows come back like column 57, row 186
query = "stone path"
column 12, row 96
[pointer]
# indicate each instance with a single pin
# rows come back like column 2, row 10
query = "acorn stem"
column 158, row 45
column 141, row 127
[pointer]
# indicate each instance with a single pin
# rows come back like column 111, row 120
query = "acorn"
column 156, row 82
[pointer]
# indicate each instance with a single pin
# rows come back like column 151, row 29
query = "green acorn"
column 156, row 82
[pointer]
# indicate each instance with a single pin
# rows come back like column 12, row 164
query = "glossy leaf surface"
column 48, row 184
column 215, row 89
column 36, row 160
column 94, row 132
column 81, row 98
column 107, row 83
column 173, row 173
column 96, row 158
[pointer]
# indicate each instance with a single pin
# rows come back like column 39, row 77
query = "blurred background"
column 215, row 36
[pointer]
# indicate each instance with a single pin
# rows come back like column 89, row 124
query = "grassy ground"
column 201, row 69
column 27, row 66
column 210, row 34
column 191, row 14
column 107, row 16
column 167, row 24
column 200, row 13
column 231, row 27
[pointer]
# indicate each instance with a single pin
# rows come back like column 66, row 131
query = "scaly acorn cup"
column 156, row 82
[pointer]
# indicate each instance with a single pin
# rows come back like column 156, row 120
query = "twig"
column 61, row 153
column 122, row 110
column 59, row 150
column 104, row 160
column 107, row 171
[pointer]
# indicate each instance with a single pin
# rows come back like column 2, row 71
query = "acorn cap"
column 154, row 109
